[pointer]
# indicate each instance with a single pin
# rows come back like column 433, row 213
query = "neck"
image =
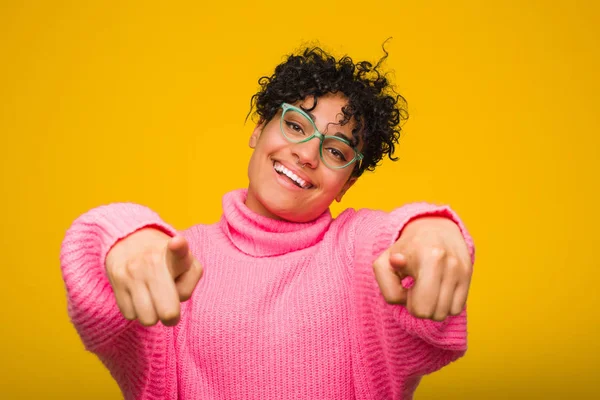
column 257, row 207
column 260, row 236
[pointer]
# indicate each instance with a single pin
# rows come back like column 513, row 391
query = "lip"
column 286, row 182
column 296, row 171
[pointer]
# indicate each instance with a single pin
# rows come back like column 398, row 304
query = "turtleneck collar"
column 261, row 236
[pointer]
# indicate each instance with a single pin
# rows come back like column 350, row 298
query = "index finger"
column 179, row 258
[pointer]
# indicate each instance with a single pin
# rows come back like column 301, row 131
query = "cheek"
column 333, row 182
column 252, row 163
column 270, row 139
column 263, row 148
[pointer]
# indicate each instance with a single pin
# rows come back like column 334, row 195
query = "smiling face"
column 289, row 180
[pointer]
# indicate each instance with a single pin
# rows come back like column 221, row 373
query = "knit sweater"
column 283, row 311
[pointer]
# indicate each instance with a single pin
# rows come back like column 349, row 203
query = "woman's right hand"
column 151, row 273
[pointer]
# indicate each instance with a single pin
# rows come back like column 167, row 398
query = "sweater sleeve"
column 91, row 303
column 411, row 346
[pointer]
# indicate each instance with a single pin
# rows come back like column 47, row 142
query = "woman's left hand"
column 433, row 252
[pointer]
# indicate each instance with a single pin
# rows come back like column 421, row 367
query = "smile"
column 301, row 183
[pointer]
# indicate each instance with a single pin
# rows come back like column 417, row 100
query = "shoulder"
column 351, row 218
column 352, row 224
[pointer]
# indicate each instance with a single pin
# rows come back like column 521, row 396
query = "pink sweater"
column 284, row 310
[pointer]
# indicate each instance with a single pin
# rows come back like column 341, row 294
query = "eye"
column 337, row 154
column 294, row 126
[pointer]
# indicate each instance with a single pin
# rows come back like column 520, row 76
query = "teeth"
column 280, row 168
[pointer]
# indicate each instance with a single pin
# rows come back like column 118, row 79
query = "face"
column 271, row 192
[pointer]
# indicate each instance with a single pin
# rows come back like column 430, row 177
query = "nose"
column 308, row 152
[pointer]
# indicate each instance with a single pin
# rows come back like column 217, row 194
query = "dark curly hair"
column 372, row 102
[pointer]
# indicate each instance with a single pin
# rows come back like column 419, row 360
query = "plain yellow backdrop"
column 120, row 101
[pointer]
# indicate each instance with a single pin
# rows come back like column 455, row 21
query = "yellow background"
column 118, row 101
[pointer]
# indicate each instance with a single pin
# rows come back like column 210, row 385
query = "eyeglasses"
column 298, row 127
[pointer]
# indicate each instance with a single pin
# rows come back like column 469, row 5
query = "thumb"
column 186, row 282
column 179, row 258
column 400, row 265
column 389, row 281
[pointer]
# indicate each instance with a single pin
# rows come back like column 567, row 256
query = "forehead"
column 328, row 115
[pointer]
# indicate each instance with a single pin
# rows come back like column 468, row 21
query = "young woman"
column 279, row 300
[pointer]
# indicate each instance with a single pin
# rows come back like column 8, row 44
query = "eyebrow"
column 352, row 140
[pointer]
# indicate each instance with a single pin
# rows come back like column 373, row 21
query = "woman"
column 278, row 300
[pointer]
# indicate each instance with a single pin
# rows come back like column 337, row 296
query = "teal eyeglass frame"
column 285, row 106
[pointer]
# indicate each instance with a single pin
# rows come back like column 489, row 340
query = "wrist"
column 433, row 223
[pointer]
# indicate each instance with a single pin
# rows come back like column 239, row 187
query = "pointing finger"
column 390, row 283
column 179, row 258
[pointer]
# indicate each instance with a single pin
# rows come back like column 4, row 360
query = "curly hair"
column 377, row 110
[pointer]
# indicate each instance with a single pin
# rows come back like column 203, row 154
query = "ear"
column 256, row 134
column 345, row 188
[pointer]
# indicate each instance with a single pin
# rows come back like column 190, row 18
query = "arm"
column 412, row 345
column 91, row 303
column 427, row 268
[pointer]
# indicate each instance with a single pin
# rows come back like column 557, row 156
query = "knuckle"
column 454, row 313
column 122, row 309
column 394, row 299
column 437, row 253
column 185, row 294
column 155, row 257
column 119, row 275
column 134, row 269
column 378, row 265
column 127, row 314
column 148, row 258
column 421, row 312
column 148, row 320
column 453, row 264
column 375, row 266
column 170, row 315
column 438, row 317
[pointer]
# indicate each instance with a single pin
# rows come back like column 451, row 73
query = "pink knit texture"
column 284, row 310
